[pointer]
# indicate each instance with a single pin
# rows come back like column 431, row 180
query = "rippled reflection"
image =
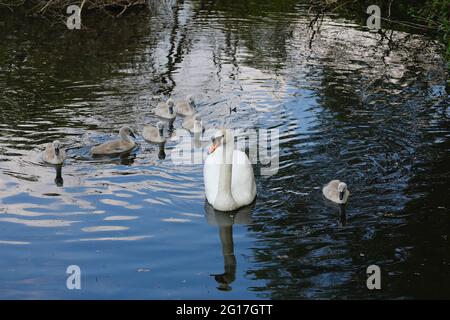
column 352, row 107
column 59, row 181
column 225, row 221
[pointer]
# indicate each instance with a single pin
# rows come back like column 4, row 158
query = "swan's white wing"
column 161, row 113
column 211, row 171
column 184, row 108
column 188, row 124
column 48, row 153
column 181, row 107
column 149, row 133
column 243, row 186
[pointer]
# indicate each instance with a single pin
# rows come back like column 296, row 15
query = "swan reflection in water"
column 161, row 153
column 340, row 208
column 343, row 215
column 225, row 222
column 198, row 140
column 59, row 181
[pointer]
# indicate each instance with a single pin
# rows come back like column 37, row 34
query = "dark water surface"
column 353, row 107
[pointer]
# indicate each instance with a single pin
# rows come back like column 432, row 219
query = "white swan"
column 336, row 191
column 165, row 110
column 193, row 124
column 154, row 134
column 228, row 174
column 53, row 154
column 122, row 145
column 187, row 107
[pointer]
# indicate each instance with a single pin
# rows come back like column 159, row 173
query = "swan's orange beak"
column 214, row 146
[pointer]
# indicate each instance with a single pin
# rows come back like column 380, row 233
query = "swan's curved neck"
column 125, row 137
column 197, row 125
column 225, row 174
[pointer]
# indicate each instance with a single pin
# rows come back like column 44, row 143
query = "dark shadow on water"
column 162, row 153
column 225, row 222
column 343, row 215
column 59, row 181
column 340, row 208
column 127, row 159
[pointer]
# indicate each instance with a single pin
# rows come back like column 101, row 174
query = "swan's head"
column 160, row 126
column 198, row 125
column 342, row 188
column 197, row 118
column 57, row 147
column 126, row 132
column 221, row 136
column 190, row 100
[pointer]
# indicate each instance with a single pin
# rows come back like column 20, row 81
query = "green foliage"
column 436, row 14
